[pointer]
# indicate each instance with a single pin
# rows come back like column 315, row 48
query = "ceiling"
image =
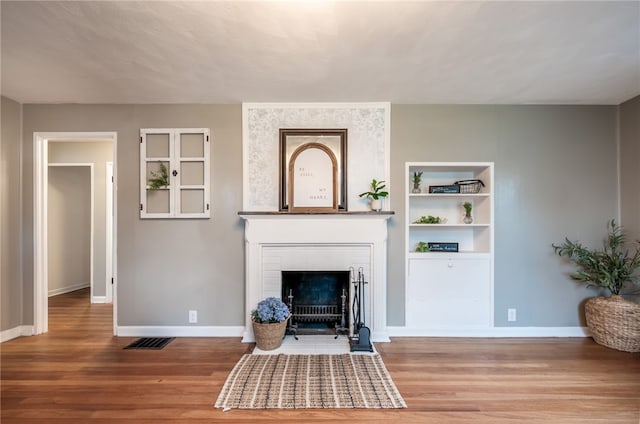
column 439, row 52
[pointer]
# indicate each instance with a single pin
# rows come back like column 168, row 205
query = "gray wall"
column 629, row 166
column 10, row 216
column 556, row 176
column 69, row 227
column 165, row 267
column 98, row 153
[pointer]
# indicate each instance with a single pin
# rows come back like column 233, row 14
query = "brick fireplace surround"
column 276, row 242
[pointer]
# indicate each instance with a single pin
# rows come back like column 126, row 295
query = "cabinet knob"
column 450, row 264
column 175, row 172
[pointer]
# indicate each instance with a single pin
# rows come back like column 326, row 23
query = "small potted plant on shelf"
column 430, row 220
column 468, row 219
column 422, row 247
column 416, row 179
column 613, row 321
column 375, row 194
column 269, row 321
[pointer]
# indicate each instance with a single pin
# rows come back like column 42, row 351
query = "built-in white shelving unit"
column 449, row 290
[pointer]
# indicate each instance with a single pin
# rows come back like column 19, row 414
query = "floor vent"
column 150, row 343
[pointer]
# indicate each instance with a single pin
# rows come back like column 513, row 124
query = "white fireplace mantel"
column 284, row 241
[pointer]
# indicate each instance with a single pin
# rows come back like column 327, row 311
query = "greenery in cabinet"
column 159, row 179
column 430, row 220
column 422, row 247
column 467, row 208
column 416, row 179
column 467, row 213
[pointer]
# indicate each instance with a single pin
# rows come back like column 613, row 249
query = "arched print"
column 313, row 179
column 292, row 139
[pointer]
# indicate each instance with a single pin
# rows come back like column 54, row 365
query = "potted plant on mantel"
column 375, row 194
column 269, row 321
column 613, row 321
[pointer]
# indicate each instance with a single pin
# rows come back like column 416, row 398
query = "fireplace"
column 276, row 242
column 318, row 301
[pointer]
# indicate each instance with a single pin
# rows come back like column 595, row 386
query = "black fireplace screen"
column 318, row 299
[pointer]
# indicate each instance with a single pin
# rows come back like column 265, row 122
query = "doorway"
column 70, row 228
column 41, row 267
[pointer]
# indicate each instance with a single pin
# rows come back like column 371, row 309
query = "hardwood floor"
column 79, row 373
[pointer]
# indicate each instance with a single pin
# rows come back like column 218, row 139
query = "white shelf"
column 452, row 195
column 444, row 226
column 440, row 255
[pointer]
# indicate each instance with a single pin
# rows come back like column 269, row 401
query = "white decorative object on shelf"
column 448, row 290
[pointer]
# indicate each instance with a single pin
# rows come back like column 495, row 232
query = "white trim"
column 91, row 218
column 618, row 167
column 68, row 289
column 40, row 265
column 180, row 331
column 99, row 299
column 15, row 332
column 387, row 153
column 40, row 181
column 490, row 332
column 318, row 105
column 108, row 232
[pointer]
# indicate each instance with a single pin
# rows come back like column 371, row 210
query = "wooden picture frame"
column 335, row 140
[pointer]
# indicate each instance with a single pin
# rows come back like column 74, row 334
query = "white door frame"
column 109, row 213
column 40, row 198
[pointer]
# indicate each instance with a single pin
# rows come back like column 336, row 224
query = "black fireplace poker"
column 361, row 339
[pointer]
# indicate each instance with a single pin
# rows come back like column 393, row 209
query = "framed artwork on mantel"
column 313, row 170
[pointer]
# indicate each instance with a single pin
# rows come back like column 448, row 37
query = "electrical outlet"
column 193, row 317
column 511, row 314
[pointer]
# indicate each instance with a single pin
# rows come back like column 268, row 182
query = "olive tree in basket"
column 613, row 321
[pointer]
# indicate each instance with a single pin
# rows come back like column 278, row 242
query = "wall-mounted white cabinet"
column 449, row 290
column 174, row 173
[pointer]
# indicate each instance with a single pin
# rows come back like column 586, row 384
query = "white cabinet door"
column 449, row 292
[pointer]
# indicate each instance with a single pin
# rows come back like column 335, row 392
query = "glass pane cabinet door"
column 174, row 173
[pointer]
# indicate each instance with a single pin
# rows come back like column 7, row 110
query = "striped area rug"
column 309, row 381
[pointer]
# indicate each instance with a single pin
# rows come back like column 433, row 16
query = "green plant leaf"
column 611, row 268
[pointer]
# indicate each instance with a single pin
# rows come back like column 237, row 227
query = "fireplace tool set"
column 361, row 339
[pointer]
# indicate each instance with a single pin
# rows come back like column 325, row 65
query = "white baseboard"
column 68, row 289
column 99, row 299
column 179, row 331
column 12, row 333
column 490, row 332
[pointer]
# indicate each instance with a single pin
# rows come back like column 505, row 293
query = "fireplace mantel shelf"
column 316, row 214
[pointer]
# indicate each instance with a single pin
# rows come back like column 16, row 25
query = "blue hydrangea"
column 270, row 310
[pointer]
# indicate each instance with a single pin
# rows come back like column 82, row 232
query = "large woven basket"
column 614, row 322
column 269, row 336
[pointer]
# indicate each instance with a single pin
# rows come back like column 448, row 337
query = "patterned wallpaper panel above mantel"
column 368, row 146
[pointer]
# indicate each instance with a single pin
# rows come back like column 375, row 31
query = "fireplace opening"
column 318, row 300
